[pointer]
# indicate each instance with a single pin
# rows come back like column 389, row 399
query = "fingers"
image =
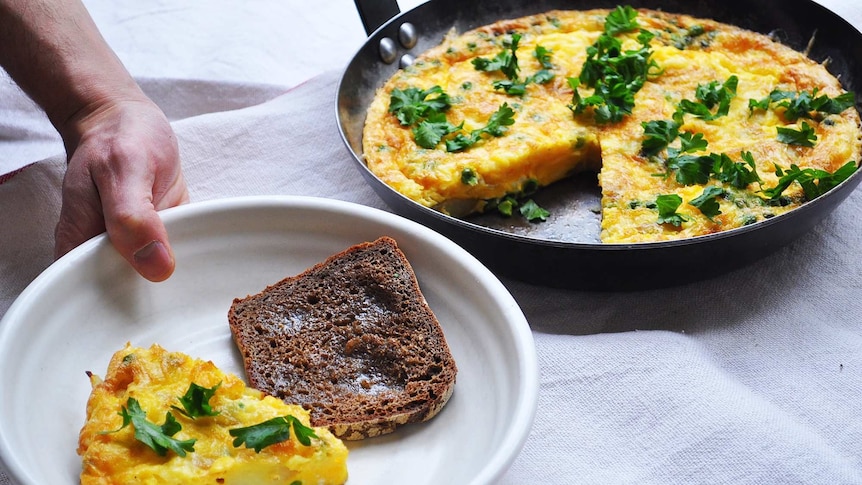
column 140, row 237
column 80, row 213
column 121, row 203
column 120, row 173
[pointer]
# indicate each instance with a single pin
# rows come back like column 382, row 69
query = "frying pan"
column 565, row 252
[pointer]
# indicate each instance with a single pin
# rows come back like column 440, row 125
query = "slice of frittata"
column 164, row 417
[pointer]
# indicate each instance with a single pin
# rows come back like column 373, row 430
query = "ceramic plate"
column 88, row 304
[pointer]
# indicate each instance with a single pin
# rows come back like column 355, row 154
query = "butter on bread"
column 156, row 378
column 352, row 339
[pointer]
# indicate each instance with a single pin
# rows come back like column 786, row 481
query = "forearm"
column 54, row 51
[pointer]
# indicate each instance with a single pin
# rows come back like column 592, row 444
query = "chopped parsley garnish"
column 814, row 182
column 667, row 204
column 497, row 126
column 159, row 438
column 543, row 55
column 691, row 169
column 469, row 177
column 709, row 96
column 196, row 401
column 692, row 142
column 621, row 20
column 658, row 135
column 413, row 105
column 506, row 62
column 532, row 212
column 803, row 104
column 737, row 174
column 688, row 37
column 614, row 74
column 270, row 432
column 804, row 136
column 520, row 200
column 706, row 202
column 429, row 132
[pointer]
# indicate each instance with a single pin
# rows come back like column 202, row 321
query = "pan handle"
column 375, row 13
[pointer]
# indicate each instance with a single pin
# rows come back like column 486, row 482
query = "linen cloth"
column 749, row 378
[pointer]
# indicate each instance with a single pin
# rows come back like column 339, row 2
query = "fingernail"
column 153, row 261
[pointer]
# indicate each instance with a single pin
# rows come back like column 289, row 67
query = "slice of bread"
column 352, row 339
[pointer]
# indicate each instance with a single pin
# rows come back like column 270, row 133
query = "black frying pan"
column 536, row 253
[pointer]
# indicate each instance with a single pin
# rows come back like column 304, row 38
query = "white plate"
column 88, row 304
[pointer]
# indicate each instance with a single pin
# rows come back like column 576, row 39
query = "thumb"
column 140, row 237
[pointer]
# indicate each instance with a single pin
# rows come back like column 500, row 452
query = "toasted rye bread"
column 352, row 339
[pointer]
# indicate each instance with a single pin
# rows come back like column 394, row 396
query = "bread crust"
column 351, row 339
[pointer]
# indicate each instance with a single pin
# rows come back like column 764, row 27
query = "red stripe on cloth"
column 8, row 176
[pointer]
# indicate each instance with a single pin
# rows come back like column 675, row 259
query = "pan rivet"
column 407, row 35
column 406, row 60
column 388, row 50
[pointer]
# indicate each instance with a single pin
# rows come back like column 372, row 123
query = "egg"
column 156, row 379
column 548, row 140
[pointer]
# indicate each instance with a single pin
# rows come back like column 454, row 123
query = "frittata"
column 694, row 126
column 163, row 417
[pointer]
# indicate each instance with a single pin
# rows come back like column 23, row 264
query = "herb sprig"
column 196, row 404
column 803, row 104
column 413, row 105
column 712, row 94
column 272, row 431
column 158, row 437
column 614, row 74
column 196, row 401
column 506, row 61
column 496, row 127
column 427, row 117
column 667, row 205
column 814, row 182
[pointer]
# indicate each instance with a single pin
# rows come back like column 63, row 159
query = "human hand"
column 123, row 166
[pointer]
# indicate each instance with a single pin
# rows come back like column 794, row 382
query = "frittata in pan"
column 694, row 126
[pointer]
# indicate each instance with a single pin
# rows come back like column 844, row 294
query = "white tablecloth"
column 750, row 378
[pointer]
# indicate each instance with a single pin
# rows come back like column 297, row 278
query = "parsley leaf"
column 272, row 431
column 532, row 212
column 691, row 169
column 540, row 77
column 737, row 174
column 804, row 104
column 621, row 20
column 804, row 136
column 667, row 205
column 514, row 88
column 412, row 105
column 658, row 135
column 706, row 202
column 506, row 61
column 429, row 132
column 497, row 123
column 692, row 142
column 708, row 96
column 543, row 55
column 469, row 177
column 158, row 438
column 614, row 74
column 196, row 401
column 814, row 182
